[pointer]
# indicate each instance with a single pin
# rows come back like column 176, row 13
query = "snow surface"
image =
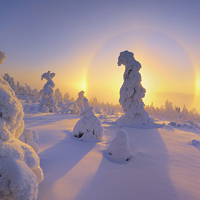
column 164, row 164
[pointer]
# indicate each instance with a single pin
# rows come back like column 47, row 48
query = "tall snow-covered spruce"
column 131, row 94
column 47, row 103
column 20, row 170
column 89, row 126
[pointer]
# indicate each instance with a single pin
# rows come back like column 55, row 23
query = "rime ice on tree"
column 47, row 99
column 131, row 93
column 89, row 125
column 20, row 170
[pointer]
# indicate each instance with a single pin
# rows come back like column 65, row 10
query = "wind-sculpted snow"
column 89, row 125
column 20, row 171
column 131, row 93
column 47, row 98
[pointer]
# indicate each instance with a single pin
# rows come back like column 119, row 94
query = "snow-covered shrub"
column 89, row 125
column 194, row 142
column 47, row 98
column 132, row 92
column 2, row 57
column 29, row 138
column 190, row 124
column 119, row 149
column 20, row 171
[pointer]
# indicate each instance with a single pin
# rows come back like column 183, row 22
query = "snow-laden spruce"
column 119, row 149
column 89, row 125
column 47, row 97
column 20, row 170
column 131, row 93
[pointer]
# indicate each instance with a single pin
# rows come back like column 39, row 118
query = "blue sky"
column 80, row 41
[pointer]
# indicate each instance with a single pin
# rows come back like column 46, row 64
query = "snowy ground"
column 164, row 166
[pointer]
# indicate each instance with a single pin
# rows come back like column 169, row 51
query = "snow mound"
column 44, row 109
column 29, row 138
column 119, row 149
column 89, row 125
column 194, row 142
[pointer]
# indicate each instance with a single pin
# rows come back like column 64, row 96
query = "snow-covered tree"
column 20, row 172
column 10, row 80
column 132, row 92
column 2, row 57
column 66, row 97
column 119, row 149
column 58, row 95
column 89, row 125
column 79, row 100
column 47, row 98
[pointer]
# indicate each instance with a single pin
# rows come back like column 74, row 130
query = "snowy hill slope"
column 163, row 165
